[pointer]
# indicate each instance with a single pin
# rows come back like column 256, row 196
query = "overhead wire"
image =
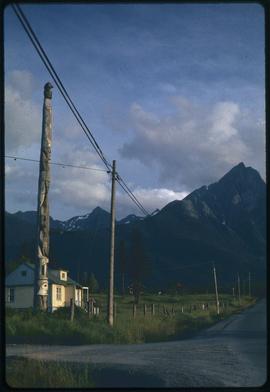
column 42, row 54
column 131, row 194
column 56, row 163
column 31, row 34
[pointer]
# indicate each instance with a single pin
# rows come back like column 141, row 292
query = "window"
column 11, row 295
column 63, row 275
column 23, row 273
column 58, row 293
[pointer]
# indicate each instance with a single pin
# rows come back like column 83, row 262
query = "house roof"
column 53, row 276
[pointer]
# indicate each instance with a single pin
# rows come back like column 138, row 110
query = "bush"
column 28, row 326
column 28, row 373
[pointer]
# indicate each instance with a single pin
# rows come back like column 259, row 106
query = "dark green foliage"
column 12, row 265
column 28, row 373
column 123, row 264
column 31, row 327
column 93, row 284
column 139, row 264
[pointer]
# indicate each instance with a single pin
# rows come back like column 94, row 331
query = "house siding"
column 18, row 277
column 70, row 293
column 78, row 297
column 55, row 302
column 23, row 297
column 22, row 282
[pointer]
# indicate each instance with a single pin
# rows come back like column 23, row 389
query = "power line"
column 42, row 54
column 123, row 185
column 56, row 163
column 134, row 199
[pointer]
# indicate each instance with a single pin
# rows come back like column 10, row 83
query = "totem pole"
column 41, row 270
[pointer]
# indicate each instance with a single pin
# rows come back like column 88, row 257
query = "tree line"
column 133, row 264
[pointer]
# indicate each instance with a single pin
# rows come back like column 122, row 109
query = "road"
column 231, row 353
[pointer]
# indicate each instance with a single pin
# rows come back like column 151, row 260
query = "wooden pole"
column 239, row 291
column 134, row 310
column 216, row 289
column 92, row 306
column 89, row 309
column 41, row 267
column 111, row 268
column 71, row 309
column 114, row 311
column 153, row 309
column 144, row 309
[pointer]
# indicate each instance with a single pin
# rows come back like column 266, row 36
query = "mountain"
column 31, row 217
column 130, row 219
column 237, row 201
column 97, row 219
column 224, row 223
column 20, row 229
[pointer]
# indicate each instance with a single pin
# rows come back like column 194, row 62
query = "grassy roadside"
column 168, row 322
column 29, row 373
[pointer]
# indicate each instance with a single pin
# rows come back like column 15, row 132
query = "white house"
column 20, row 288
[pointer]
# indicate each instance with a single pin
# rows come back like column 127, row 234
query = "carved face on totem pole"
column 48, row 90
column 43, row 288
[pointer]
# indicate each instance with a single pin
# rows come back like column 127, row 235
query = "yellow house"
column 20, row 288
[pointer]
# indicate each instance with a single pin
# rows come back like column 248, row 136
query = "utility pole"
column 244, row 287
column 41, row 268
column 239, row 292
column 249, row 285
column 111, row 268
column 216, row 289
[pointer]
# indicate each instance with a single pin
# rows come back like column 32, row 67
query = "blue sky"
column 173, row 92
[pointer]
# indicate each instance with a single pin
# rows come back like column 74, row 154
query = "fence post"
column 115, row 311
column 182, row 309
column 153, row 309
column 71, row 309
column 144, row 309
column 92, row 307
column 88, row 309
column 134, row 310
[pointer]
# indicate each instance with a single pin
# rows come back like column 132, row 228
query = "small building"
column 20, row 288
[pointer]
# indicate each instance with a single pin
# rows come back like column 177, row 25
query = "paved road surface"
column 231, row 353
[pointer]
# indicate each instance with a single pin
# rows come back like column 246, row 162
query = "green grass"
column 41, row 328
column 28, row 373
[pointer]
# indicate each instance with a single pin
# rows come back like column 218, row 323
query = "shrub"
column 28, row 373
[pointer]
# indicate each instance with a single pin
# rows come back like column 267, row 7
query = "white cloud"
column 22, row 115
column 167, row 88
column 22, row 81
column 195, row 145
column 150, row 198
column 222, row 119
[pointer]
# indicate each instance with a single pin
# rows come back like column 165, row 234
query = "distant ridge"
column 223, row 222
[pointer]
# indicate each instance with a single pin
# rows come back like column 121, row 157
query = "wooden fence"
column 150, row 310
